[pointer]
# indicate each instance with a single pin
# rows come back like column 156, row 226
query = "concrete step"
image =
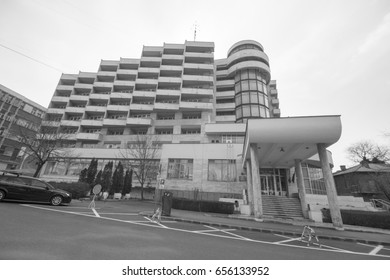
column 283, row 207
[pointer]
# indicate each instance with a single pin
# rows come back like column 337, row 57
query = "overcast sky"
column 328, row 57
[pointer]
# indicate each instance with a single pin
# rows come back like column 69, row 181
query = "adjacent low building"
column 16, row 113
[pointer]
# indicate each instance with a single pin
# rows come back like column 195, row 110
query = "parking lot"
column 135, row 220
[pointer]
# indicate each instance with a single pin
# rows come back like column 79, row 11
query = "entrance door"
column 268, row 185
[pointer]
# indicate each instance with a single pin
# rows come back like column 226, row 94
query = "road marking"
column 95, row 212
column 158, row 223
column 376, row 250
column 208, row 234
column 287, row 240
column 227, row 232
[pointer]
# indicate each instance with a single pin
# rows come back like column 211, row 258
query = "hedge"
column 361, row 218
column 203, row 206
column 77, row 189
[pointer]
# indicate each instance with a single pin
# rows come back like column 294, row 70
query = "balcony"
column 93, row 123
column 170, row 81
column 118, row 108
column 144, row 93
column 274, row 93
column 228, row 118
column 198, row 92
column 152, row 51
column 225, row 94
column 70, row 123
column 139, row 121
column 124, row 85
column 109, row 65
column 168, row 92
column 102, row 86
column 106, row 76
column 127, row 74
column 89, row 136
column 128, row 63
column 166, row 106
column 225, row 84
column 79, row 110
column 92, row 108
column 171, row 68
column 225, row 106
column 276, row 112
column 51, row 123
column 121, row 95
column 185, row 105
column 97, row 96
column 275, row 102
column 83, row 87
column 152, row 62
column 60, row 99
column 193, row 79
column 64, row 88
column 172, row 59
column 199, row 47
column 76, row 97
column 148, row 71
column 57, row 111
column 114, row 122
column 141, row 107
column 199, row 67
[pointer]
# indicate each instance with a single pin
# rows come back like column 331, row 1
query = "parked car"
column 14, row 186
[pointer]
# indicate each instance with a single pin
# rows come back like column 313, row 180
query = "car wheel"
column 2, row 195
column 56, row 200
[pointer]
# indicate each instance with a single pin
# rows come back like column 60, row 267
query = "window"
column 222, row 170
column 180, row 169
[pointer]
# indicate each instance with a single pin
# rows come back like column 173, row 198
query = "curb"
column 289, row 233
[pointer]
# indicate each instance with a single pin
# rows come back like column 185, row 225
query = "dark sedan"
column 22, row 188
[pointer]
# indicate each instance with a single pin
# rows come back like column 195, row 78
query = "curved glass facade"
column 251, row 96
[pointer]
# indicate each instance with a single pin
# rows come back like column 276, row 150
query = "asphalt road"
column 43, row 232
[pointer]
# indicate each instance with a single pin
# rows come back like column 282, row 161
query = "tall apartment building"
column 16, row 112
column 204, row 112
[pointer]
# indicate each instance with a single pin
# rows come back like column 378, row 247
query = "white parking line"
column 376, row 250
column 95, row 212
column 235, row 237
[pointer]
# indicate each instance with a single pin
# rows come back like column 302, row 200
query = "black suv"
column 13, row 186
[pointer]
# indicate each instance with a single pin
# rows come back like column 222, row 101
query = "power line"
column 36, row 60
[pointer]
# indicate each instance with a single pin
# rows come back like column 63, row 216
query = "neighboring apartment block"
column 16, row 113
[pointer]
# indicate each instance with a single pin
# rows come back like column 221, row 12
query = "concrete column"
column 301, row 188
column 257, row 202
column 249, row 185
column 330, row 188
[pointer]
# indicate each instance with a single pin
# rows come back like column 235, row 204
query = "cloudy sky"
column 328, row 57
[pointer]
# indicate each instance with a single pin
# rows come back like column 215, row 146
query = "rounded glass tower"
column 250, row 67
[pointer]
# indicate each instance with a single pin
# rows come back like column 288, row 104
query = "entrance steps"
column 282, row 207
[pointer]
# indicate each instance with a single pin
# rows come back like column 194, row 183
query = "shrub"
column 77, row 189
column 203, row 206
column 361, row 218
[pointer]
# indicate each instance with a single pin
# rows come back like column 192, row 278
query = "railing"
column 381, row 204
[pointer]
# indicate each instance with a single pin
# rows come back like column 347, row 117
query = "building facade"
column 16, row 113
column 198, row 107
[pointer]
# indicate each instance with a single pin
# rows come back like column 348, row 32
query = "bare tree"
column 142, row 157
column 42, row 145
column 368, row 151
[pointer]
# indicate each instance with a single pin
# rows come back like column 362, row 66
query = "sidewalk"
column 373, row 236
column 351, row 233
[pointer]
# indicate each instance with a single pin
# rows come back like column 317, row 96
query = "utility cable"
column 36, row 60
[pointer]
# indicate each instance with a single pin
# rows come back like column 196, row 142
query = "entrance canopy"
column 282, row 140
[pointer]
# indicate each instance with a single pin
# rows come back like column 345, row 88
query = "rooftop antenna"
column 195, row 29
